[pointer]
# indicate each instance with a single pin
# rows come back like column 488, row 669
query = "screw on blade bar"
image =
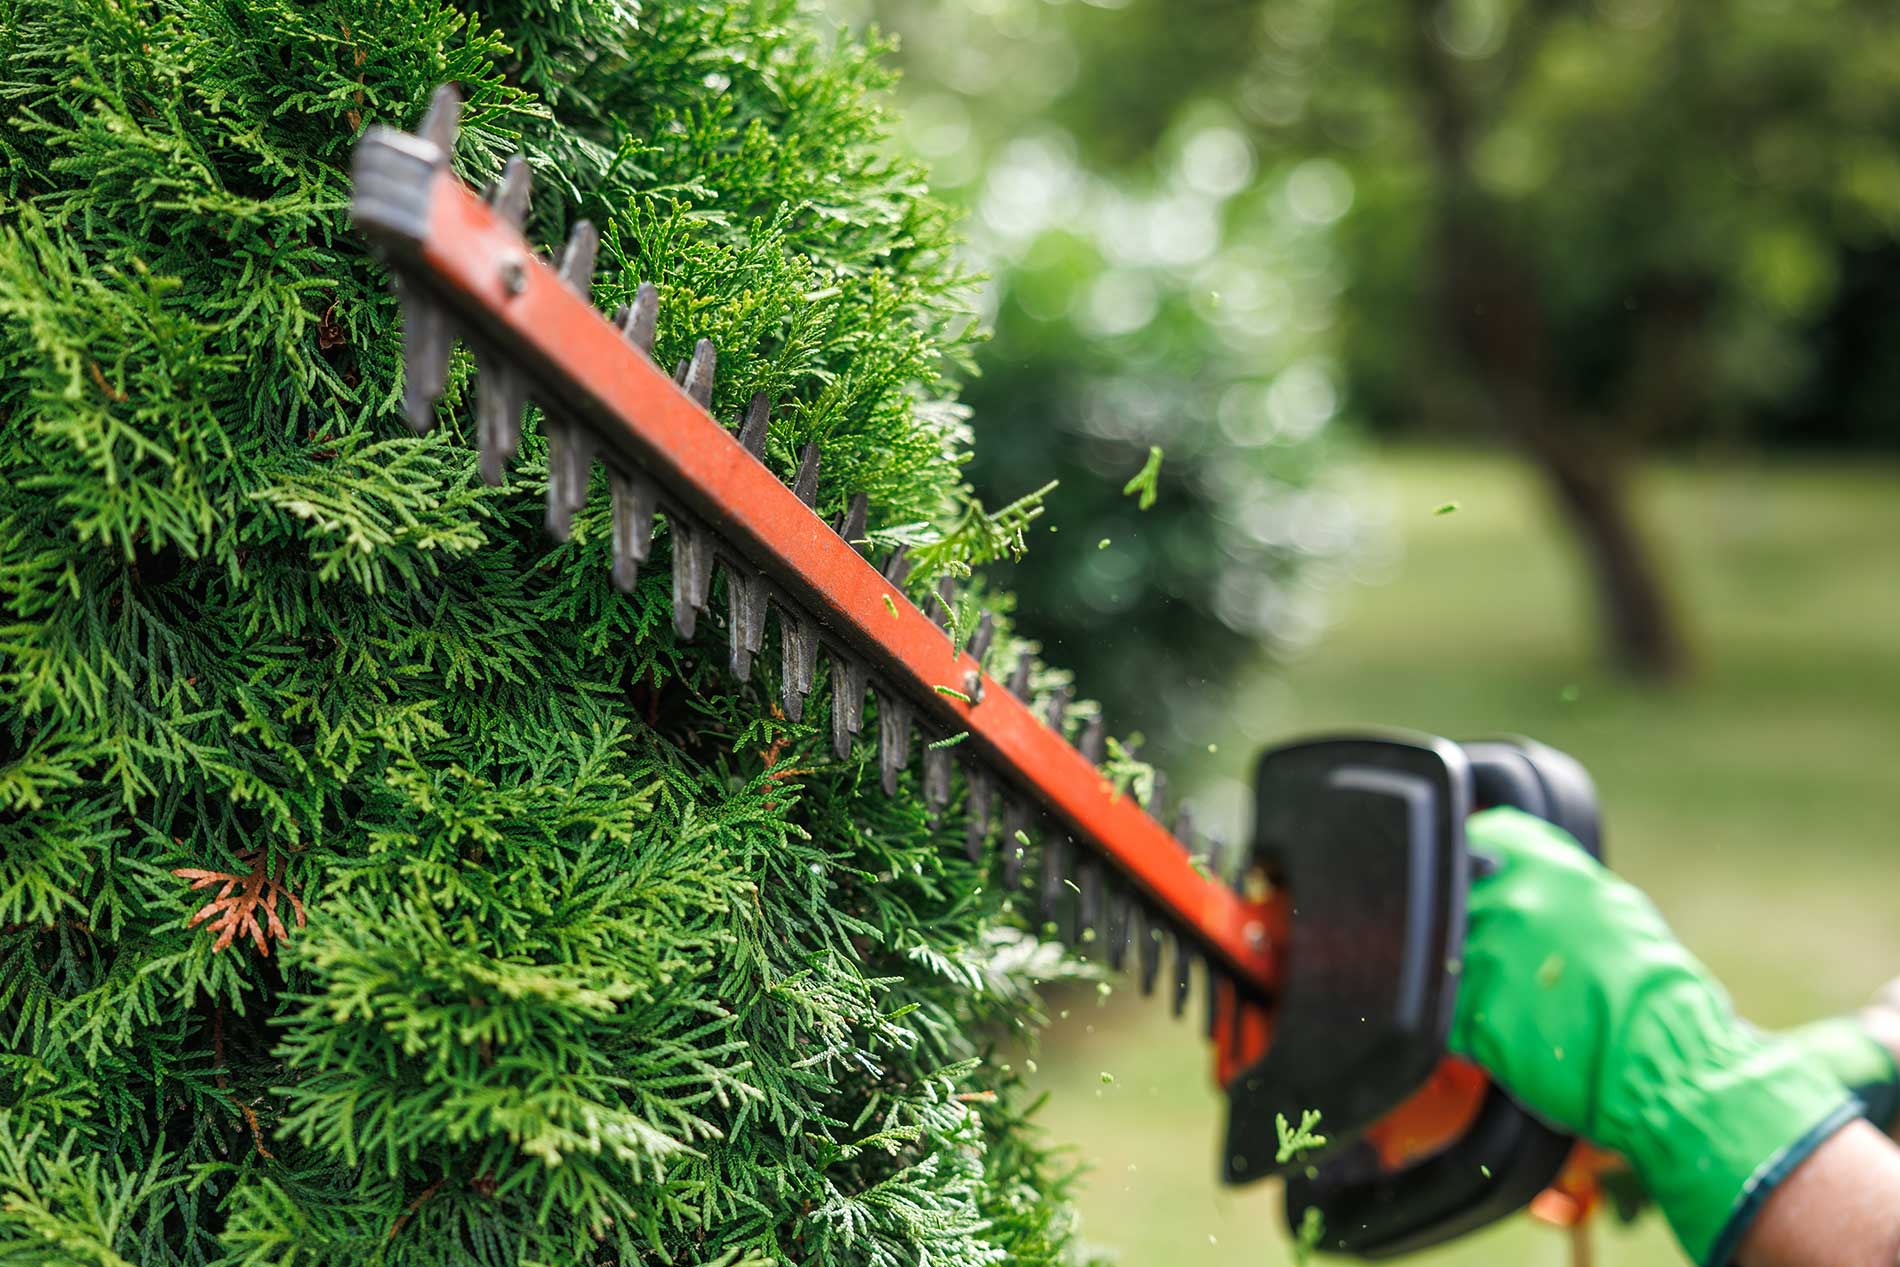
column 462, row 268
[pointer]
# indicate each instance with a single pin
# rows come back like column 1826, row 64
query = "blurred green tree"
column 1150, row 289
column 1580, row 229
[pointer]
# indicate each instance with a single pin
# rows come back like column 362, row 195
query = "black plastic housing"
column 1507, row 1156
column 1366, row 834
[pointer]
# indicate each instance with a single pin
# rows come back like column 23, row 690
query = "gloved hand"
column 1580, row 1002
column 1861, row 1052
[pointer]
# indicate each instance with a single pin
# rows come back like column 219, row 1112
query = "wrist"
column 1717, row 1130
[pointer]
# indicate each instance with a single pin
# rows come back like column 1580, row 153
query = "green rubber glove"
column 1580, row 1002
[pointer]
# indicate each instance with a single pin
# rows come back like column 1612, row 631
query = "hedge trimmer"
column 1327, row 961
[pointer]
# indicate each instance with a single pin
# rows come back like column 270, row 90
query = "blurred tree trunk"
column 1639, row 625
column 1492, row 320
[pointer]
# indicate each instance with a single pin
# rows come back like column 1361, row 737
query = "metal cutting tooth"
column 635, row 500
column 1088, row 900
column 946, row 604
column 1055, row 879
column 977, row 808
column 698, row 380
column 1057, row 711
column 805, row 482
column 897, row 568
column 1183, row 828
column 745, row 598
column 679, row 372
column 1157, row 796
column 856, row 516
column 443, row 120
column 798, row 661
column 1094, row 742
column 692, row 574
column 570, row 462
column 1118, row 925
column 1019, row 678
column 1215, row 852
column 570, row 446
column 501, row 397
column 1183, row 972
column 980, row 640
column 427, row 340
column 1016, row 820
column 509, row 195
column 893, row 738
column 1217, row 989
column 938, row 765
column 757, row 419
column 848, row 681
column 642, row 319
column 577, row 258
column 1148, row 946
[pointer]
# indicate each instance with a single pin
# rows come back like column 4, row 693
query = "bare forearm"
column 1840, row 1208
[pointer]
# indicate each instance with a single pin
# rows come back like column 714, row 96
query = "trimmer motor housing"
column 1365, row 835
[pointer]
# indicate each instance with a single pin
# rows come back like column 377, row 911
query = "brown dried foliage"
column 241, row 900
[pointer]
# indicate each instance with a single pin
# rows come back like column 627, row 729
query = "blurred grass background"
column 1755, row 801
column 1638, row 260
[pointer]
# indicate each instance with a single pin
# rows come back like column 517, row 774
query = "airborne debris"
column 1295, row 1140
column 1445, row 508
column 1145, row 481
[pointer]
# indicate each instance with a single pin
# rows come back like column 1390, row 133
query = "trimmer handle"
column 1363, row 837
column 1500, row 1162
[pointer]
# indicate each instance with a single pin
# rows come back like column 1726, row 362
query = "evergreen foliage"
column 376, row 884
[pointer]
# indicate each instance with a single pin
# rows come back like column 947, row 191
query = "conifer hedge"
column 377, row 885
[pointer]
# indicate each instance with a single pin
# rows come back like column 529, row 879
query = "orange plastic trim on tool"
column 481, row 266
